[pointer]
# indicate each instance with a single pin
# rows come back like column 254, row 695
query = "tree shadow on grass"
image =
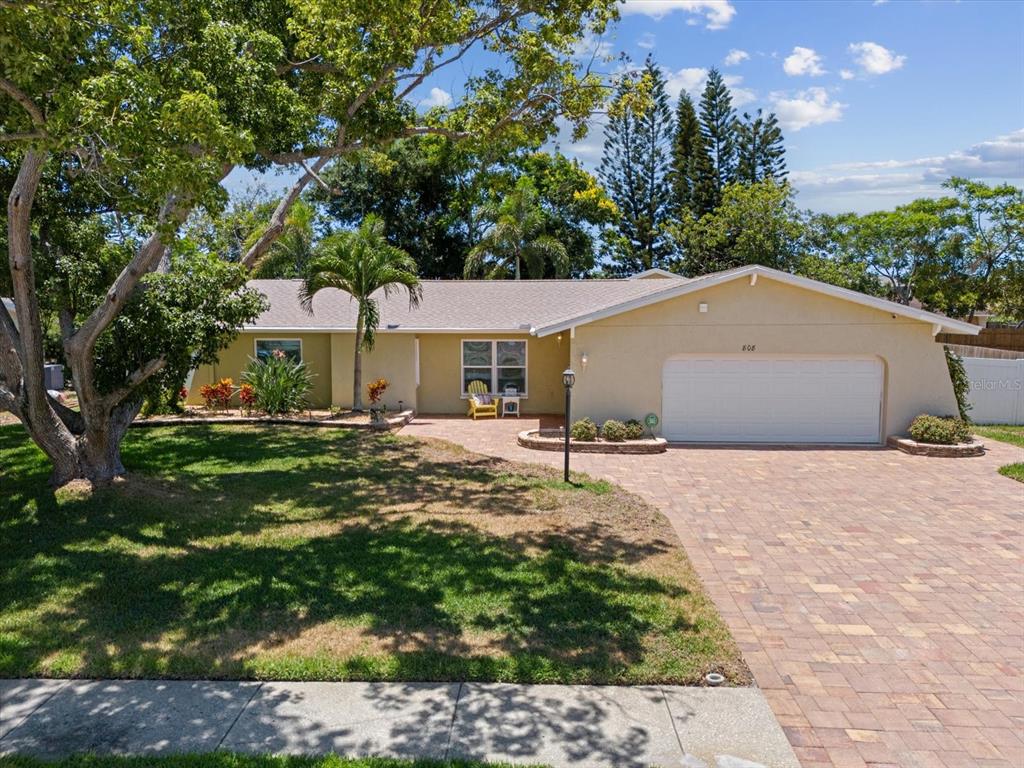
column 196, row 572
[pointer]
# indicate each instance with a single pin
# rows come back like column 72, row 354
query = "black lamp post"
column 568, row 379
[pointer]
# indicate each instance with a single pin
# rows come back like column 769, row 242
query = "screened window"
column 500, row 365
column 292, row 348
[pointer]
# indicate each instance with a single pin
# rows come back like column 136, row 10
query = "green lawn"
column 232, row 760
column 1007, row 434
column 291, row 553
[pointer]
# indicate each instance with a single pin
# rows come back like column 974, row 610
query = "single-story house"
column 745, row 355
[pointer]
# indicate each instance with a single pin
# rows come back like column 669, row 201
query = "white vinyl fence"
column 997, row 390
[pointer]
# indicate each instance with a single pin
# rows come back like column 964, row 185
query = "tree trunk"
column 93, row 455
column 357, row 369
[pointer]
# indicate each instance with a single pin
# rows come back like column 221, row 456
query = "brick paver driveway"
column 878, row 597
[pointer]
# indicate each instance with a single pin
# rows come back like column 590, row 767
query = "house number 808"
column 749, row 347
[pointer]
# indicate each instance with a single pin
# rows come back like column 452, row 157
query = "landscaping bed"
column 320, row 418
column 554, row 440
column 915, row 448
column 242, row 552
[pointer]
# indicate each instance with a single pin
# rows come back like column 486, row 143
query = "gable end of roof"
column 938, row 322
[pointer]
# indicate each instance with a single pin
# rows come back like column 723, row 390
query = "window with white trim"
column 499, row 364
column 292, row 348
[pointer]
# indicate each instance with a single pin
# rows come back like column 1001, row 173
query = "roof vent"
column 392, row 326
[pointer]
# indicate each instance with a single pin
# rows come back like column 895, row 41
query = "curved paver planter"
column 532, row 438
column 395, row 422
column 960, row 450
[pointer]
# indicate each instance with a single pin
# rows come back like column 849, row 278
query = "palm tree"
column 291, row 253
column 516, row 236
column 361, row 263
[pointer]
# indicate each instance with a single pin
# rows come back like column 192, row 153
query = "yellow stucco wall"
column 316, row 353
column 393, row 358
column 626, row 353
column 440, row 372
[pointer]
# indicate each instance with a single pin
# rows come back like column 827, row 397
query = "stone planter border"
column 532, row 439
column 392, row 423
column 914, row 448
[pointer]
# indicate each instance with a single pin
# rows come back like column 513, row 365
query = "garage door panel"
column 772, row 399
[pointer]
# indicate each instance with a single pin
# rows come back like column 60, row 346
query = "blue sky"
column 879, row 101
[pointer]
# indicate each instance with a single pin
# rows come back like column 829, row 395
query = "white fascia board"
column 698, row 284
column 403, row 329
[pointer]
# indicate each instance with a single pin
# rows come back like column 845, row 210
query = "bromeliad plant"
column 280, row 385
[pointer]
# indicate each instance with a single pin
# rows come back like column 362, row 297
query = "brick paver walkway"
column 878, row 597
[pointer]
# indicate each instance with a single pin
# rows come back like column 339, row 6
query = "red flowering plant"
column 247, row 396
column 375, row 390
column 217, row 396
column 183, row 394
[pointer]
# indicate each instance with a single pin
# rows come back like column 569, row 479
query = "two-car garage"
column 752, row 398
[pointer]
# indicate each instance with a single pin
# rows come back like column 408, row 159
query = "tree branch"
column 317, row 178
column 137, row 377
column 27, row 136
column 145, row 260
column 277, row 220
column 22, row 98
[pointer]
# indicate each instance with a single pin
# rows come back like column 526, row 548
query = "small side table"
column 510, row 406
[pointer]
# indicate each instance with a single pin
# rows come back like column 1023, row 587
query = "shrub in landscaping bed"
column 940, row 430
column 614, row 431
column 634, row 430
column 584, row 429
column 281, row 385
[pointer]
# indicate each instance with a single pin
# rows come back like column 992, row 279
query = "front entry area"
column 753, row 398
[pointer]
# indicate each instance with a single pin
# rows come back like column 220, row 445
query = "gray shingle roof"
column 450, row 305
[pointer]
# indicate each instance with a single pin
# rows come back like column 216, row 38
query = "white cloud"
column 998, row 158
column 876, row 59
column 806, row 108
column 590, row 46
column 846, row 74
column 740, row 95
column 880, row 2
column 735, row 56
column 438, row 97
column 689, row 79
column 646, row 41
column 883, row 183
column 716, row 13
column 693, row 79
column 803, row 61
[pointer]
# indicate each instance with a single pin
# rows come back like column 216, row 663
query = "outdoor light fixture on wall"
column 583, row 360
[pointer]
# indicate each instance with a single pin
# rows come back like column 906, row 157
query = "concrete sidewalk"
column 548, row 724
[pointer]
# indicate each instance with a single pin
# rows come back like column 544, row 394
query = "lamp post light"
column 568, row 379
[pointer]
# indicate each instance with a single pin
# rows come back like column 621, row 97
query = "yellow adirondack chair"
column 478, row 409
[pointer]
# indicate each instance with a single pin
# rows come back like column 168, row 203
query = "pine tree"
column 686, row 143
column 635, row 170
column 760, row 151
column 718, row 129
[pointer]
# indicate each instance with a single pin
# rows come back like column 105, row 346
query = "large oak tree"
column 155, row 102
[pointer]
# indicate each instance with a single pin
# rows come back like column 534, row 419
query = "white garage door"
column 759, row 398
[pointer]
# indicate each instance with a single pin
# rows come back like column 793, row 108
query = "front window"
column 500, row 365
column 292, row 348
